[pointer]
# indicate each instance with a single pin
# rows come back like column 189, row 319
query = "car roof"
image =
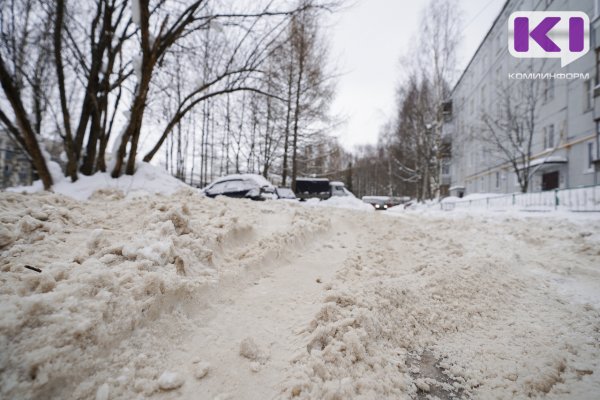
column 255, row 178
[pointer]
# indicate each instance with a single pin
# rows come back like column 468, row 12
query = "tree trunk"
column 287, row 124
column 70, row 150
column 297, row 111
column 31, row 143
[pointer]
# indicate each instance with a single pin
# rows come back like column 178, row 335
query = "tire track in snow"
column 272, row 311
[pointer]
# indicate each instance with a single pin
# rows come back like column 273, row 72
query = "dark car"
column 378, row 202
column 248, row 186
column 320, row 188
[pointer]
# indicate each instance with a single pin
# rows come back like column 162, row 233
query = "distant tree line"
column 406, row 160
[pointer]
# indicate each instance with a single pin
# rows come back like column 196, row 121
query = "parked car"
column 396, row 201
column 339, row 189
column 320, row 188
column 249, row 186
column 285, row 193
column 378, row 202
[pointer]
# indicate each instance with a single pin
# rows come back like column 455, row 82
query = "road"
column 184, row 297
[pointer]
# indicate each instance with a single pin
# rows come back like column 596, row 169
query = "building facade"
column 565, row 118
column 14, row 164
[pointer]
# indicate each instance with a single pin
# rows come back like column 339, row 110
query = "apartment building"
column 565, row 145
column 14, row 165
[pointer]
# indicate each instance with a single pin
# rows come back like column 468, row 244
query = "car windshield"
column 338, row 191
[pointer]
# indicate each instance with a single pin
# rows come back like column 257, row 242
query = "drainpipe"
column 596, row 122
column 597, row 158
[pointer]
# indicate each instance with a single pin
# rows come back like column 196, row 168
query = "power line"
column 489, row 3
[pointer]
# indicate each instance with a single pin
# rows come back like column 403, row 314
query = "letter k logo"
column 549, row 34
column 539, row 34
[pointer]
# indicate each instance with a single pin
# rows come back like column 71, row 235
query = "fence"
column 585, row 198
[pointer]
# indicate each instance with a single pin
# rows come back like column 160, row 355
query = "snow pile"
column 119, row 279
column 343, row 202
column 173, row 296
column 406, row 319
column 148, row 179
column 414, row 206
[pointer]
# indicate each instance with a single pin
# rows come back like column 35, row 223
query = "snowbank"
column 148, row 179
column 119, row 279
column 343, row 202
column 171, row 296
column 457, row 309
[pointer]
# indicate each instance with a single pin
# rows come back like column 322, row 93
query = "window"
column 545, row 138
column 590, row 156
column 497, row 179
column 217, row 188
column 337, row 190
column 596, row 8
column 597, row 68
column 598, row 138
column 446, row 167
column 549, row 137
column 587, row 95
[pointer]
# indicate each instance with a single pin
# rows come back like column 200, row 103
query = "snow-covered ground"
column 182, row 296
column 148, row 180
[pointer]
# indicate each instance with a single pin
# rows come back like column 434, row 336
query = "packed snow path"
column 187, row 297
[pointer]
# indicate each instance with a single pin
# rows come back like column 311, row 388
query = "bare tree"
column 511, row 131
column 21, row 27
column 80, row 82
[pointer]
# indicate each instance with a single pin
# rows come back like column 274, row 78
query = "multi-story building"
column 14, row 165
column 565, row 141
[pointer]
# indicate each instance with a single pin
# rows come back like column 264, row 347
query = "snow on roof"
column 337, row 183
column 546, row 160
column 313, row 179
column 148, row 179
column 258, row 179
column 375, row 198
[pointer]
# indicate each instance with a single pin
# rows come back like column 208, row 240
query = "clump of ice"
column 201, row 369
column 103, row 392
column 6, row 237
column 249, row 349
column 170, row 380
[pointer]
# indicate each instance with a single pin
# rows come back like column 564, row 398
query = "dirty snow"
column 180, row 296
column 343, row 202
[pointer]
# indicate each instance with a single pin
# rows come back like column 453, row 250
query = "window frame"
column 551, row 136
column 587, row 95
column 589, row 150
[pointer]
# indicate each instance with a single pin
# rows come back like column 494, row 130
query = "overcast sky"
column 367, row 42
